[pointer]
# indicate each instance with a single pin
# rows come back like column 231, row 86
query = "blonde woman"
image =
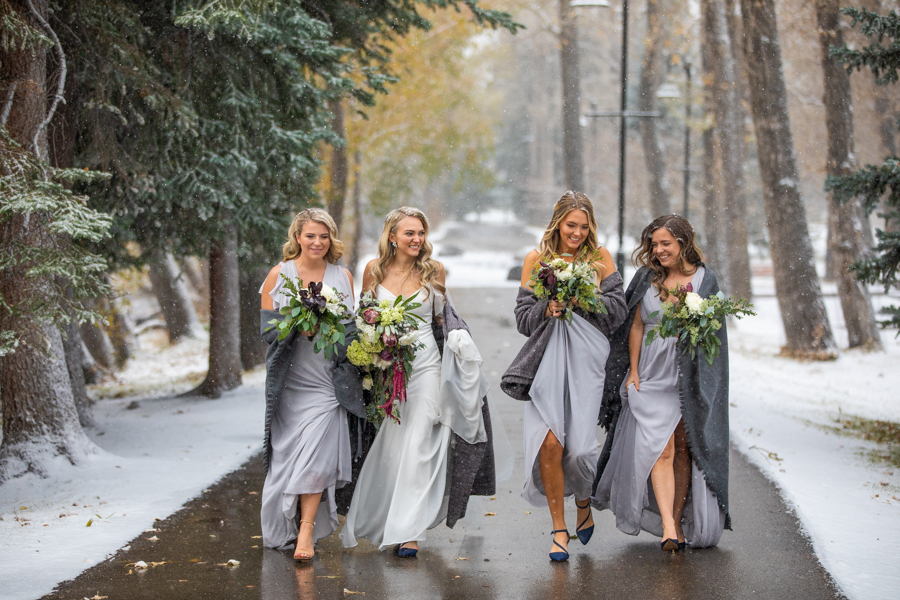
column 560, row 372
column 307, row 442
column 402, row 490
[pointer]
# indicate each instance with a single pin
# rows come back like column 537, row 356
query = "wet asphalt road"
column 483, row 557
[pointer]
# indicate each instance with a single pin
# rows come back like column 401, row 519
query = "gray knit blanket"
column 703, row 390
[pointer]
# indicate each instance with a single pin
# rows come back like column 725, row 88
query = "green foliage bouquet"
column 385, row 347
column 570, row 283
column 695, row 320
column 317, row 309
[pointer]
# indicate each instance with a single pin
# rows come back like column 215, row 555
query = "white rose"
column 367, row 383
column 693, row 301
column 329, row 294
column 564, row 275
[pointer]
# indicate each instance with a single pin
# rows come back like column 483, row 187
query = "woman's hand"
column 555, row 309
column 310, row 334
column 633, row 378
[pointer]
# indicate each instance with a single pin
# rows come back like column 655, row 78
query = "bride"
column 403, row 488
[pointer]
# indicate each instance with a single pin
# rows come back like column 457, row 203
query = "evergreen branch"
column 870, row 184
column 874, row 24
column 883, row 62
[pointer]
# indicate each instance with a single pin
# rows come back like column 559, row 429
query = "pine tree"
column 876, row 183
column 43, row 266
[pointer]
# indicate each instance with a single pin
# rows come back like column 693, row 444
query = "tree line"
column 133, row 133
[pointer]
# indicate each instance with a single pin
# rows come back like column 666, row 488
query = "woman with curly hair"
column 403, row 488
column 664, row 466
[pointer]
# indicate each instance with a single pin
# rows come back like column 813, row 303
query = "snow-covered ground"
column 160, row 454
column 155, row 456
column 782, row 415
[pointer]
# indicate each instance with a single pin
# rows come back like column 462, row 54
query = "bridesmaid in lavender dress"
column 309, row 439
column 650, row 443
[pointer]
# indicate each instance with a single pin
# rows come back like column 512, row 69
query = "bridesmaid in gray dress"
column 566, row 389
column 649, row 438
column 309, row 436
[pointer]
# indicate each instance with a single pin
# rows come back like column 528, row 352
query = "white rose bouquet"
column 385, row 346
column 571, row 283
column 695, row 320
column 317, row 309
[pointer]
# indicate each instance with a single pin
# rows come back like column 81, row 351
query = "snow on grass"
column 154, row 458
column 784, row 417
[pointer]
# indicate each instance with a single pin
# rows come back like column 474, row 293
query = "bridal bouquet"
column 317, row 309
column 384, row 348
column 573, row 284
column 695, row 320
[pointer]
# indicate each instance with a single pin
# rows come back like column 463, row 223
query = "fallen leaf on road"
column 233, row 563
column 463, row 557
column 97, row 596
column 527, row 512
column 89, row 523
column 140, row 565
column 493, row 497
column 253, row 493
column 328, row 576
column 256, row 537
column 346, row 591
column 490, row 514
column 153, row 539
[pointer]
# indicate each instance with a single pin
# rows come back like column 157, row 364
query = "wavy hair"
column 291, row 248
column 689, row 253
column 425, row 267
column 551, row 239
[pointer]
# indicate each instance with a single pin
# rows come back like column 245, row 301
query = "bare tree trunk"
column 337, row 195
column 729, row 129
column 97, row 340
column 571, row 98
column 39, row 416
column 651, row 76
column 224, row 317
column 848, row 243
column 888, row 143
column 170, row 289
column 74, row 350
column 715, row 217
column 121, row 332
column 253, row 348
column 355, row 250
column 806, row 324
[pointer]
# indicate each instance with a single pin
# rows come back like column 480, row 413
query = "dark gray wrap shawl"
column 532, row 322
column 472, row 470
column 703, row 390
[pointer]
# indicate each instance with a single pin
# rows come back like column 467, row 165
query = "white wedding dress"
column 401, row 488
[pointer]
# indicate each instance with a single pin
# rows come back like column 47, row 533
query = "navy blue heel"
column 406, row 552
column 559, row 556
column 584, row 535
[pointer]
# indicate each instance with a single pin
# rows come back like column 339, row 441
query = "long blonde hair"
column 550, row 241
column 291, row 249
column 425, row 267
column 690, row 253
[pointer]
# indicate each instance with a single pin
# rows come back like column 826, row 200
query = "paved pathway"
column 500, row 556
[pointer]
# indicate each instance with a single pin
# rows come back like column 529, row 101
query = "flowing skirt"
column 401, row 491
column 565, row 399
column 647, row 421
column 310, row 452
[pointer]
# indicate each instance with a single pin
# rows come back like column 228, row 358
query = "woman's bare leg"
column 682, row 467
column 663, row 477
column 309, row 504
column 550, row 466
